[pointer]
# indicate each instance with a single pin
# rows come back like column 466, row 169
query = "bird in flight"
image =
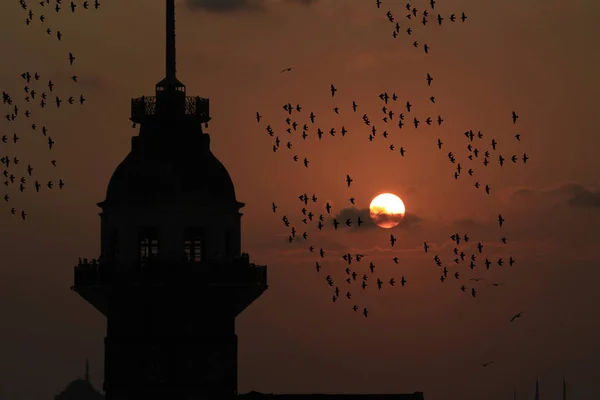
column 518, row 315
column 286, row 69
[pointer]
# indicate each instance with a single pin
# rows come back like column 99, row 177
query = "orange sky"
column 536, row 57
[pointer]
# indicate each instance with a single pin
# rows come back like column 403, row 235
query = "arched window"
column 228, row 244
column 114, row 242
column 148, row 244
column 193, row 244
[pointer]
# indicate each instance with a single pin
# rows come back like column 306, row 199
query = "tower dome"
column 187, row 173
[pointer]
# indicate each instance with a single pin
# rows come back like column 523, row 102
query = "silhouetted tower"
column 537, row 389
column 171, row 277
column 564, row 389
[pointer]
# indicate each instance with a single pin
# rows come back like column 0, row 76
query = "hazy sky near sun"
column 537, row 57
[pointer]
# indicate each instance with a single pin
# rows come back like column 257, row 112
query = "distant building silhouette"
column 537, row 390
column 80, row 389
column 171, row 277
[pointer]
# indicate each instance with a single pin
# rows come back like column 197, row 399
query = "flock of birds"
column 468, row 254
column 465, row 255
column 38, row 93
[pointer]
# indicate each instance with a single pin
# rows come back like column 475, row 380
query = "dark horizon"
column 425, row 336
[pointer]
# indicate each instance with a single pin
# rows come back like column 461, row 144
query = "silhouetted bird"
column 518, row 315
column 349, row 180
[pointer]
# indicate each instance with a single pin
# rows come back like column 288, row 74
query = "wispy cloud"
column 571, row 194
column 232, row 6
column 353, row 213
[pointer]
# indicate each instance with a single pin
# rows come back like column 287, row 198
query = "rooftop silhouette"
column 80, row 389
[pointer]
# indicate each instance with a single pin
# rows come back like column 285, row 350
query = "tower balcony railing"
column 236, row 271
column 194, row 107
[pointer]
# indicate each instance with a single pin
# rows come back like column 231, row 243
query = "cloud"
column 303, row 2
column 93, row 82
column 572, row 194
column 353, row 213
column 231, row 6
column 468, row 223
column 582, row 197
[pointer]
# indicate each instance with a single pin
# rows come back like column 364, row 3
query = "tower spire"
column 537, row 389
column 87, row 370
column 170, row 56
column 564, row 389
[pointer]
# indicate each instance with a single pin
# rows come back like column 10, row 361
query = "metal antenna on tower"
column 170, row 56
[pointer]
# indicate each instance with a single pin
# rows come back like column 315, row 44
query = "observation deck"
column 95, row 280
column 146, row 108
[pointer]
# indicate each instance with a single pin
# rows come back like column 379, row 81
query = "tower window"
column 193, row 244
column 148, row 243
column 115, row 241
column 228, row 244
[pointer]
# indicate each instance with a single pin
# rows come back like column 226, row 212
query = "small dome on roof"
column 79, row 389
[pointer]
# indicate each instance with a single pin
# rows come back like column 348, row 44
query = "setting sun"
column 387, row 210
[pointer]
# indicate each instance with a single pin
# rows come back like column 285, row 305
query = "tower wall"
column 167, row 343
column 120, row 229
